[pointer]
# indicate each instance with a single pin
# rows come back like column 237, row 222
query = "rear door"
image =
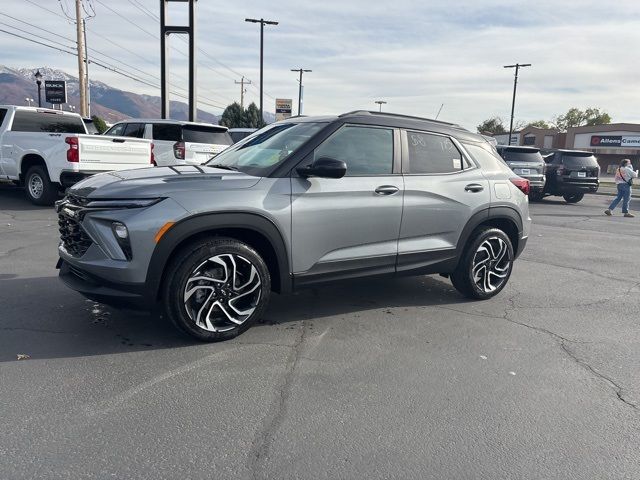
column 349, row 226
column 443, row 189
column 203, row 142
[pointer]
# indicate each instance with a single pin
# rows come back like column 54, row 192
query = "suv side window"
column 134, row 130
column 365, row 150
column 167, row 131
column 430, row 153
column 3, row 113
column 116, row 130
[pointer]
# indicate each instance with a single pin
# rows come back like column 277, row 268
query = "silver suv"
column 301, row 202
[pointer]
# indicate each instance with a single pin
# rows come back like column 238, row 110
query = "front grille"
column 74, row 239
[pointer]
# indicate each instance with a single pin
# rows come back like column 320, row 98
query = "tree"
column 577, row 118
column 100, row 124
column 492, row 126
column 233, row 116
column 252, row 117
column 538, row 124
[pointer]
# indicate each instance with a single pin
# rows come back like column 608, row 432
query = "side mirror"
column 324, row 167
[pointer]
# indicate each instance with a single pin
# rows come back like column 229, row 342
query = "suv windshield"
column 514, row 154
column 259, row 153
column 579, row 160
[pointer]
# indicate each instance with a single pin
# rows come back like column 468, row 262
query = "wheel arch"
column 30, row 160
column 505, row 218
column 256, row 230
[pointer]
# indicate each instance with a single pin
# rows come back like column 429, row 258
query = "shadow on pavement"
column 14, row 198
column 43, row 319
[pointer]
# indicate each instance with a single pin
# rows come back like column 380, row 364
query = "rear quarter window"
column 208, row 135
column 167, row 131
column 3, row 113
column 30, row 121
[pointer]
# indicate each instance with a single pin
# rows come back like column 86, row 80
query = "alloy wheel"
column 222, row 292
column 491, row 264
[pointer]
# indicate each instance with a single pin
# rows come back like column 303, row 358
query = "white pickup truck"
column 49, row 150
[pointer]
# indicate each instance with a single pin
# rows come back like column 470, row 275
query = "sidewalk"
column 608, row 187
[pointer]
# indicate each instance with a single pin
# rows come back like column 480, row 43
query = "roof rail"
column 399, row 115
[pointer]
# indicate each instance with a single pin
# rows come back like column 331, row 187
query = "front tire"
column 573, row 197
column 216, row 289
column 40, row 190
column 485, row 266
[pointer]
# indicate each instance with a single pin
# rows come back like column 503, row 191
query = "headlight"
column 123, row 203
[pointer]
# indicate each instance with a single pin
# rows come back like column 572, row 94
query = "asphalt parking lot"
column 371, row 379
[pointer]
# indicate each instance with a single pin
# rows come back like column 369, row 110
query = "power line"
column 107, row 67
column 95, row 51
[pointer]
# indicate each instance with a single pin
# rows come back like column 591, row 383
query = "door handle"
column 386, row 190
column 474, row 188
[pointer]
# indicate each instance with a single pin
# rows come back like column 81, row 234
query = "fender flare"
column 210, row 222
column 486, row 215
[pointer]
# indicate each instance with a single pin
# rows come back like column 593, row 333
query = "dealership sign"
column 624, row 141
column 283, row 108
column 55, row 91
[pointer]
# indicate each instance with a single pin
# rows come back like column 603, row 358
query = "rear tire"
column 216, row 288
column 486, row 264
column 573, row 197
column 40, row 190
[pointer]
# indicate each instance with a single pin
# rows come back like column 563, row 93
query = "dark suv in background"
column 571, row 174
column 526, row 162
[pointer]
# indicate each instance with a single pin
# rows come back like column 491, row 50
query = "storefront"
column 610, row 143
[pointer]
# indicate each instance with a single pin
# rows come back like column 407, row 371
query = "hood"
column 160, row 181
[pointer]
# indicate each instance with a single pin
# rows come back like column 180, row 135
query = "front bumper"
column 132, row 296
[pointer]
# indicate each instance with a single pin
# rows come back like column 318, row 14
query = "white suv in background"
column 176, row 142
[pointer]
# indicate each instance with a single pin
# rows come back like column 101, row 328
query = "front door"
column 349, row 226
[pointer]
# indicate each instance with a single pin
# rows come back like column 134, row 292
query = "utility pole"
column 82, row 72
column 300, row 70
column 262, row 23
column 86, row 60
column 242, row 83
column 517, row 66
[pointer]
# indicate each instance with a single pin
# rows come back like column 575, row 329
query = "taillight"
column 73, row 153
column 153, row 157
column 522, row 184
column 178, row 150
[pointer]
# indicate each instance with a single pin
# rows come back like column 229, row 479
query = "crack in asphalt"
column 616, row 387
column 264, row 438
column 37, row 330
column 577, row 269
column 562, row 341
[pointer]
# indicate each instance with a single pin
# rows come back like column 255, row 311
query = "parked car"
column 238, row 134
column 526, row 162
column 48, row 150
column 571, row 174
column 177, row 142
column 304, row 201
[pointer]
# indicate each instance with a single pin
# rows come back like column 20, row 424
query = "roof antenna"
column 439, row 111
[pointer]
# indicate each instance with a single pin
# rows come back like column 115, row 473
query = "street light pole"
column 300, row 70
column 380, row 103
column 38, row 76
column 517, row 66
column 262, row 23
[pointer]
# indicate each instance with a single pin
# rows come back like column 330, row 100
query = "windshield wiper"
column 223, row 167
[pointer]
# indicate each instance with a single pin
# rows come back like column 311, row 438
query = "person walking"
column 624, row 180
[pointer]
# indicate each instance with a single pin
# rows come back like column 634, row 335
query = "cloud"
column 416, row 55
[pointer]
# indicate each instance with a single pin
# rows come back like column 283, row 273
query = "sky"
column 415, row 55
